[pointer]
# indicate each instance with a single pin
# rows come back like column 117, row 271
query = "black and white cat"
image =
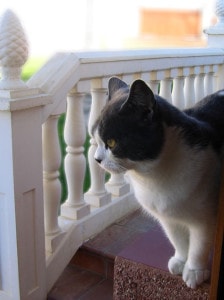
column 173, row 159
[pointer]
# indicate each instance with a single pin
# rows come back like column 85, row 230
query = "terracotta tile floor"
column 76, row 283
column 89, row 276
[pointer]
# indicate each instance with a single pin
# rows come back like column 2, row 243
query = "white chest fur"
column 184, row 182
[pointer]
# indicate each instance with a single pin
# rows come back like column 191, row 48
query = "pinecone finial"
column 13, row 51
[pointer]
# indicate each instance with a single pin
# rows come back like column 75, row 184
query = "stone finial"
column 13, row 51
column 219, row 10
column 216, row 33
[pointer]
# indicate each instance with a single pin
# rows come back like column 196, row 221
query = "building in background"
column 148, row 23
column 72, row 25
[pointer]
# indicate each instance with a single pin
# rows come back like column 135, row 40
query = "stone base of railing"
column 75, row 212
column 117, row 190
column 97, row 200
column 52, row 241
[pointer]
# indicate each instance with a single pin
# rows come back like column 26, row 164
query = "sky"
column 71, row 25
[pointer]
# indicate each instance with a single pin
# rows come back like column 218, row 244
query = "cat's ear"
column 115, row 84
column 140, row 97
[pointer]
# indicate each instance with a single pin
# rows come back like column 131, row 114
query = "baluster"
column 97, row 195
column 219, row 78
column 199, row 84
column 166, row 87
column 136, row 76
column 75, row 162
column 128, row 79
column 215, row 73
column 154, row 86
column 145, row 76
column 209, row 80
column 117, row 185
column 189, row 92
column 178, row 90
column 51, row 182
column 154, row 81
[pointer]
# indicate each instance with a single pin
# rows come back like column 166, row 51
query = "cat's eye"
column 111, row 143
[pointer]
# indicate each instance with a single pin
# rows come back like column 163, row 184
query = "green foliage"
column 32, row 66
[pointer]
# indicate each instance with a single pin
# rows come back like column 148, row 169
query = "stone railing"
column 36, row 241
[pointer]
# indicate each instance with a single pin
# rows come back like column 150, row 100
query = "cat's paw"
column 193, row 278
column 175, row 265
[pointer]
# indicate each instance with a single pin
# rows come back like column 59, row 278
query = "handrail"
column 67, row 69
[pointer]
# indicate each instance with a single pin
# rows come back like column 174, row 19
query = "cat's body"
column 173, row 159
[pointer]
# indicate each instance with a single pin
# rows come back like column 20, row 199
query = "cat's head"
column 129, row 132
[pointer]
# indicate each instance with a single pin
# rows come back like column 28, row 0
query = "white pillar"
column 165, row 89
column 178, row 92
column 154, row 85
column 97, row 195
column 117, row 185
column 220, row 77
column 209, row 80
column 22, row 251
column 215, row 34
column 189, row 91
column 75, row 162
column 51, row 182
column 199, row 84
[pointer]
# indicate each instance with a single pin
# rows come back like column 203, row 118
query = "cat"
column 173, row 159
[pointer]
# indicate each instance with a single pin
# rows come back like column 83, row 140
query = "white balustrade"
column 97, row 195
column 75, row 162
column 51, row 182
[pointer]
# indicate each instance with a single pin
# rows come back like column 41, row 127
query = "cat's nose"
column 98, row 160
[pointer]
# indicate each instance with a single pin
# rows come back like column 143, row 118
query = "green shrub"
column 32, row 66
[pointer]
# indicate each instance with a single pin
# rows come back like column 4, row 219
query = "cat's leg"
column 196, row 268
column 179, row 238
